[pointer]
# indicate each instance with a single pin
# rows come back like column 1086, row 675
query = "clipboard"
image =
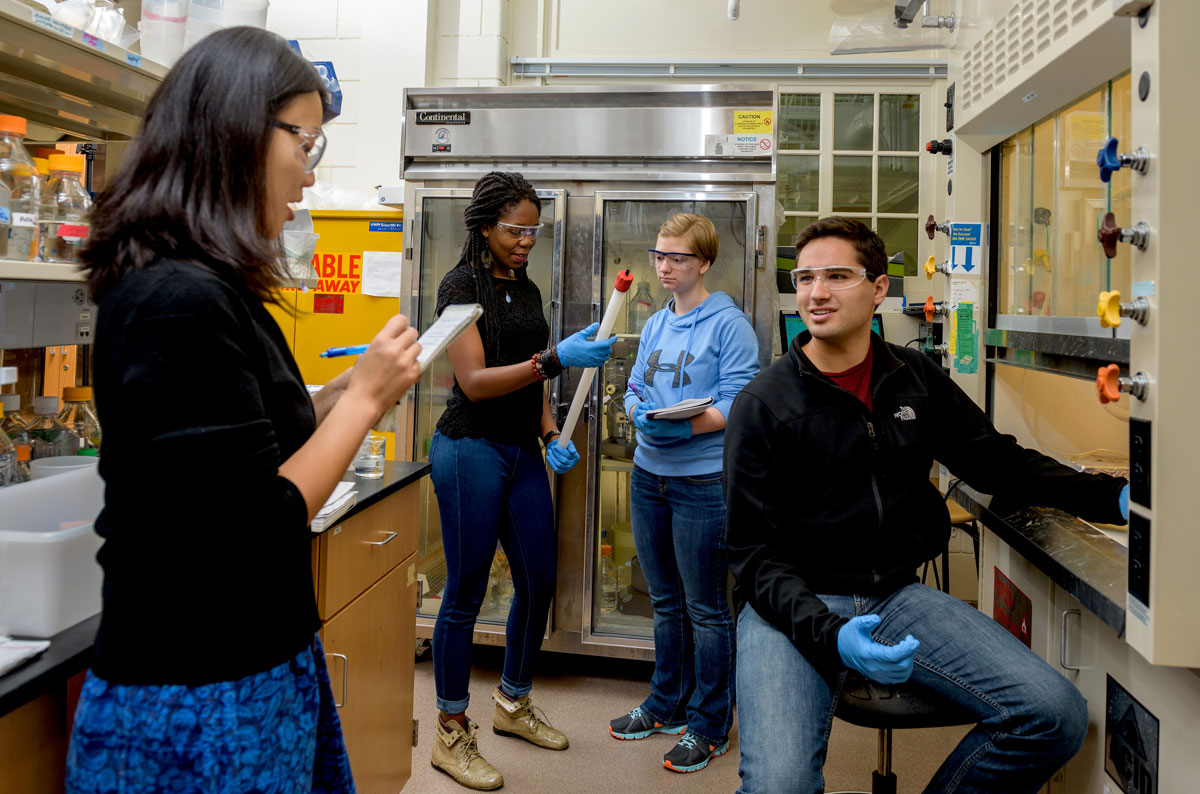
column 445, row 329
column 684, row 409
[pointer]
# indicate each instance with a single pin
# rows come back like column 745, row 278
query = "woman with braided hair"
column 488, row 472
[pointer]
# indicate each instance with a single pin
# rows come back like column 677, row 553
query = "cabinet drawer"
column 359, row 551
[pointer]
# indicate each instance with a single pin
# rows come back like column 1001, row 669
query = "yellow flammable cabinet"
column 336, row 312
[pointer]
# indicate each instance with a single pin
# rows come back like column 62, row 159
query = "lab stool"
column 884, row 707
column 870, row 704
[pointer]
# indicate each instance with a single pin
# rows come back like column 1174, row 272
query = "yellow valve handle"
column 1109, row 309
column 1042, row 258
column 930, row 268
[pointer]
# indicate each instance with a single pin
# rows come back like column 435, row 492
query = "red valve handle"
column 1109, row 234
column 1107, row 382
column 930, row 227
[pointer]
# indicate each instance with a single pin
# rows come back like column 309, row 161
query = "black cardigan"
column 207, row 557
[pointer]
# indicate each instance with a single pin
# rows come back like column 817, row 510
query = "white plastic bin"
column 40, row 468
column 49, row 577
column 206, row 16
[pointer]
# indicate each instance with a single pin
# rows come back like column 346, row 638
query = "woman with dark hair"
column 488, row 472
column 207, row 673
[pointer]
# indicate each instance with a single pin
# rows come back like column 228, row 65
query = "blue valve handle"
column 1107, row 159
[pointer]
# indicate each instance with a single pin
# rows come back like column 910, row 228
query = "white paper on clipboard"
column 445, row 329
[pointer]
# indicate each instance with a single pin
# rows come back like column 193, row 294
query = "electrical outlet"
column 83, row 332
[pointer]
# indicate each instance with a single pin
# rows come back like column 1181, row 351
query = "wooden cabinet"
column 365, row 574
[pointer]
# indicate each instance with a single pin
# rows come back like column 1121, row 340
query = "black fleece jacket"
column 823, row 496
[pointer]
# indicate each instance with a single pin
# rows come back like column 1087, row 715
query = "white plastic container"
column 162, row 27
column 41, row 468
column 49, row 577
column 206, row 16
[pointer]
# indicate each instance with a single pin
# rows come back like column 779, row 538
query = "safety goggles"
column 677, row 261
column 835, row 277
column 312, row 143
column 515, row 232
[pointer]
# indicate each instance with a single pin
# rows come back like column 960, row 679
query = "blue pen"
column 353, row 350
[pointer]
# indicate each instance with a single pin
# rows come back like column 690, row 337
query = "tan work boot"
column 521, row 719
column 456, row 752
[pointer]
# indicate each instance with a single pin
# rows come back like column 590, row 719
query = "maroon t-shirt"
column 857, row 379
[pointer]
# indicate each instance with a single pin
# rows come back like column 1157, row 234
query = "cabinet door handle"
column 1062, row 641
column 391, row 536
column 345, row 675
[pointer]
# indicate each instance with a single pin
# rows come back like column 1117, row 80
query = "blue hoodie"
column 709, row 352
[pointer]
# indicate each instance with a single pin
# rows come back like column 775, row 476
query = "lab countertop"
column 70, row 650
column 1078, row 557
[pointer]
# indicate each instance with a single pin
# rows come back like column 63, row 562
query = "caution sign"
column 753, row 122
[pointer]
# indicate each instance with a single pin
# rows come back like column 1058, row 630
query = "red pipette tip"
column 624, row 281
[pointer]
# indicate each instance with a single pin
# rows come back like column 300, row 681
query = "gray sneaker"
column 637, row 724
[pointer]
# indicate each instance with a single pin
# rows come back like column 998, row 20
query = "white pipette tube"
column 615, row 302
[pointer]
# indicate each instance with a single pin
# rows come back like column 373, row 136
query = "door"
column 438, row 242
column 627, row 225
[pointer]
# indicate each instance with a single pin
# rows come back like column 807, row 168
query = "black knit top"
column 207, row 557
column 513, row 418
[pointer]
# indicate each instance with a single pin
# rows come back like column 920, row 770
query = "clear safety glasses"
column 835, row 277
column 515, row 232
column 312, row 144
column 677, row 261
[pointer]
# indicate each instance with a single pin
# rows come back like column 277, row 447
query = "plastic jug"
column 19, row 175
column 162, row 27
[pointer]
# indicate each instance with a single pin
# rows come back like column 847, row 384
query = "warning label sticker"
column 756, row 122
column 738, row 145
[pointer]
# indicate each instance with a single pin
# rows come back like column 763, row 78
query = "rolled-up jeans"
column 1031, row 719
column 488, row 492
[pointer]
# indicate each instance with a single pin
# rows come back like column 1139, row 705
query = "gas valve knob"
column 1110, row 383
column 1111, row 309
column 932, row 267
column 932, row 226
column 1110, row 160
column 1109, row 234
column 940, row 147
column 932, row 309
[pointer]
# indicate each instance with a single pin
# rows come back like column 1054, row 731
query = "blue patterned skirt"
column 275, row 732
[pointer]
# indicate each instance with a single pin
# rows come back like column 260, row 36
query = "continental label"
column 443, row 117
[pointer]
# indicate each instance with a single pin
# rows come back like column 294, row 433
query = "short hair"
column 697, row 229
column 193, row 183
column 872, row 253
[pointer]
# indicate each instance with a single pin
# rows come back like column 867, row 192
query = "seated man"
column 829, row 513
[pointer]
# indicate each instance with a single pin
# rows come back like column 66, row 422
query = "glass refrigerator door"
column 438, row 245
column 626, row 228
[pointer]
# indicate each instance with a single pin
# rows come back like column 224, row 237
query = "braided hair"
column 495, row 193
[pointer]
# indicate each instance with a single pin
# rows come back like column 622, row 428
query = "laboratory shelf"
column 13, row 270
column 78, row 85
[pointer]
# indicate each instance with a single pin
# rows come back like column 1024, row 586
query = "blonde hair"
column 697, row 230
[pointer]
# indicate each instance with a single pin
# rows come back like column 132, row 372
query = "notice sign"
column 754, row 122
column 1130, row 741
column 1012, row 609
column 738, row 145
column 966, row 248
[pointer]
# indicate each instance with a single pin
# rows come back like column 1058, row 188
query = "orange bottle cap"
column 77, row 394
column 67, row 162
column 43, row 165
column 13, row 124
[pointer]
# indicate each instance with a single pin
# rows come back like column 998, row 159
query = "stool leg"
column 883, row 781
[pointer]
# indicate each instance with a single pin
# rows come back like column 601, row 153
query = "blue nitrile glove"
column 577, row 351
column 1124, row 502
column 659, row 430
column 562, row 459
column 887, row 664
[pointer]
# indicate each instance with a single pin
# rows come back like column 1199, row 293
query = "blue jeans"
column 1031, row 719
column 679, row 534
column 488, row 492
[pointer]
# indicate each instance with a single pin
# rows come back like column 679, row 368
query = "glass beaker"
column 368, row 464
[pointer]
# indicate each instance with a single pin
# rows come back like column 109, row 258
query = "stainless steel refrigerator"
column 610, row 163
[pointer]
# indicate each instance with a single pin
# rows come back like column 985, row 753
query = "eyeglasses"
column 312, row 144
column 677, row 261
column 836, row 277
column 516, row 232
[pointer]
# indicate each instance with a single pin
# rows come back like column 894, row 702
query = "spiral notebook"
column 452, row 322
column 684, row 409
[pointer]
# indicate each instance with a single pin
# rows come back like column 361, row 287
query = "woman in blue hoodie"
column 700, row 345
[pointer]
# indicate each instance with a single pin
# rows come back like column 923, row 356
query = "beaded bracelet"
column 535, row 361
